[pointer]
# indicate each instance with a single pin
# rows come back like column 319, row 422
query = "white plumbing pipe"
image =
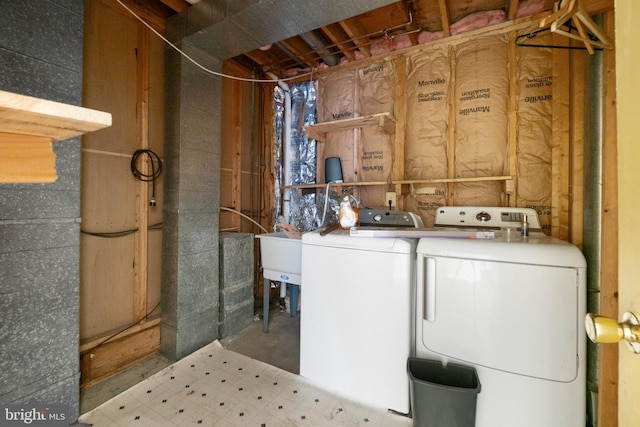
column 286, row 197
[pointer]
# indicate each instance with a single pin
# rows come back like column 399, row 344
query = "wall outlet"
column 391, row 199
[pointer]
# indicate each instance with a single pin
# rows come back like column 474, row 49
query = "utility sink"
column 281, row 257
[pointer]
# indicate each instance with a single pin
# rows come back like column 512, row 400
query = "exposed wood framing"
column 268, row 207
column 444, row 17
column 142, row 189
column 300, row 49
column 153, row 13
column 560, row 143
column 232, row 137
column 357, row 34
column 576, row 176
column 177, row 5
column 512, row 8
column 400, row 114
column 451, row 128
column 510, row 187
column 116, row 274
column 26, row 159
column 608, row 366
column 114, row 356
column 412, row 28
column 340, row 39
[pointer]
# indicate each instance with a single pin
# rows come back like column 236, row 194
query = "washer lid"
column 341, row 239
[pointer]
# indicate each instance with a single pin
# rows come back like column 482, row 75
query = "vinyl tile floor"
column 217, row 386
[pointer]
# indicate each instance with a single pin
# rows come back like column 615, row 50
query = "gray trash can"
column 442, row 396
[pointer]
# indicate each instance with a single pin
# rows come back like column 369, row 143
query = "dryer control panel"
column 485, row 217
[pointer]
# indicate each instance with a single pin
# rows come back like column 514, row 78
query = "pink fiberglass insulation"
column 469, row 23
column 529, row 7
column 426, row 36
column 292, row 72
column 478, row 20
column 389, row 44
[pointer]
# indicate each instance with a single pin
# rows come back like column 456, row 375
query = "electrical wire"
column 196, row 63
column 156, row 170
column 326, row 203
column 112, row 234
column 222, row 208
column 127, row 328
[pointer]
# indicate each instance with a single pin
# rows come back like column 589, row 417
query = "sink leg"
column 294, row 290
column 265, row 306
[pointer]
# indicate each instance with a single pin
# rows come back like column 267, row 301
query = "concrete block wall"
column 236, row 282
column 190, row 271
column 41, row 55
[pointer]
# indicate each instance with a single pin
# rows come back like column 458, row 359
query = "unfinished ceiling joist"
column 28, row 128
column 574, row 11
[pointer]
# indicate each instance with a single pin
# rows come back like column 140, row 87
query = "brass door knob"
column 603, row 330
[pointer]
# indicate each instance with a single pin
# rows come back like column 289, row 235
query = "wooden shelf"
column 26, row 115
column 28, row 128
column 384, row 121
column 400, row 182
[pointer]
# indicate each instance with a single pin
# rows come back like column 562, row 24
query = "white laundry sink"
column 281, row 257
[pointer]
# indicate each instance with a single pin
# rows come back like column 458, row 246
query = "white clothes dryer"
column 512, row 307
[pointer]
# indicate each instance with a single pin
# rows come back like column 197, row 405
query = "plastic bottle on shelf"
column 348, row 215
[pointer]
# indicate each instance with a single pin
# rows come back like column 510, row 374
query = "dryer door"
column 517, row 318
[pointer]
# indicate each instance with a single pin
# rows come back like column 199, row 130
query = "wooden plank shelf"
column 28, row 128
column 384, row 121
column 25, row 115
column 400, row 182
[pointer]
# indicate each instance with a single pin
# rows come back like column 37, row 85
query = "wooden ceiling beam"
column 302, row 50
column 261, row 57
column 153, row 13
column 177, row 5
column 357, row 34
column 444, row 17
column 512, row 8
column 595, row 7
column 340, row 39
column 412, row 27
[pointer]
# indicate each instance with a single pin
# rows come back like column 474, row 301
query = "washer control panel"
column 485, row 217
column 387, row 218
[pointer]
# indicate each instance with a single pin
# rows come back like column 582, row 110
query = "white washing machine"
column 356, row 325
column 510, row 306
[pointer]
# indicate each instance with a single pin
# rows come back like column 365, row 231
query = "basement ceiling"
column 401, row 24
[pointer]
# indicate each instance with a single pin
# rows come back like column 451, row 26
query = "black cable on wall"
column 156, row 170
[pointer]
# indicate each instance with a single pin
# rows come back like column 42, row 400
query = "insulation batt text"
column 431, row 96
column 428, row 206
column 537, row 98
column 345, row 115
column 373, row 155
column 438, row 81
column 378, row 168
column 377, row 68
column 468, row 111
column 539, row 82
column 540, row 209
column 470, row 95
